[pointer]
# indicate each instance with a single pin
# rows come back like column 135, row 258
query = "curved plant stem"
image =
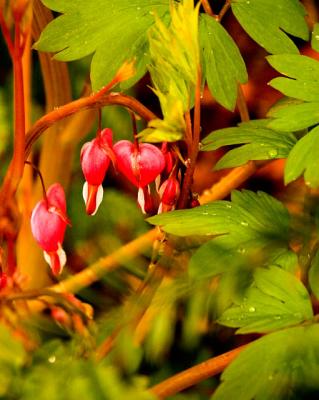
column 194, row 375
column 94, row 101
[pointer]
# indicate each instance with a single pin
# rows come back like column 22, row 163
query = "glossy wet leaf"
column 283, row 365
column 268, row 21
column 114, row 31
column 277, row 299
column 249, row 214
column 259, row 143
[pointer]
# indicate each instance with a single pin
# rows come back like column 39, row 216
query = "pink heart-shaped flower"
column 139, row 164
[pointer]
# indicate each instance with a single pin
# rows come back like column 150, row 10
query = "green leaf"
column 223, row 63
column 295, row 66
column 12, row 353
column 283, row 365
column 304, row 71
column 277, row 299
column 315, row 37
column 248, row 214
column 314, row 275
column 303, row 159
column 114, row 30
column 294, row 117
column 174, row 65
column 261, row 143
column 267, row 20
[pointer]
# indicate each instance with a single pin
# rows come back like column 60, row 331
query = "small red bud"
column 60, row 316
column 95, row 160
column 169, row 192
column 48, row 225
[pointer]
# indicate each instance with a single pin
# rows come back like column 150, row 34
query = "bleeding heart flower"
column 48, row 224
column 95, row 160
column 169, row 193
column 140, row 164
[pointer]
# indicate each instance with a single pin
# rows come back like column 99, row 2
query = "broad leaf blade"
column 260, row 143
column 223, row 62
column 294, row 117
column 115, row 31
column 303, row 159
column 265, row 21
column 283, row 366
column 315, row 37
column 276, row 300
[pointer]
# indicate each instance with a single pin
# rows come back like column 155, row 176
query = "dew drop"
column 248, row 2
column 251, row 309
column 52, row 359
column 244, row 223
column 228, row 206
column 272, row 153
column 277, row 317
column 317, row 37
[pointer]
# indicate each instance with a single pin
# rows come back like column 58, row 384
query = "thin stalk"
column 223, row 11
column 242, row 105
column 94, row 101
column 207, row 8
column 193, row 149
column 16, row 167
column 196, row 374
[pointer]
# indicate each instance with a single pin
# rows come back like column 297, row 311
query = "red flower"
column 169, row 193
column 95, row 160
column 48, row 224
column 140, row 164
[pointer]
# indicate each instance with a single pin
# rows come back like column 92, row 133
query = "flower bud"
column 169, row 193
column 48, row 224
column 95, row 160
column 139, row 164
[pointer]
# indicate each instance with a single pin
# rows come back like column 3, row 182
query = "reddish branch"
column 194, row 375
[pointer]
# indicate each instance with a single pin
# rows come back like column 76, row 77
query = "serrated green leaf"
column 115, row 31
column 315, row 37
column 295, row 66
column 303, row 90
column 266, row 21
column 303, row 159
column 277, row 299
column 314, row 275
column 249, row 215
column 304, row 71
column 283, row 365
column 294, row 117
column 223, row 63
column 261, row 143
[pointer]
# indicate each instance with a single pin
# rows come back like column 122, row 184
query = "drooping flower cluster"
column 48, row 225
column 141, row 163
